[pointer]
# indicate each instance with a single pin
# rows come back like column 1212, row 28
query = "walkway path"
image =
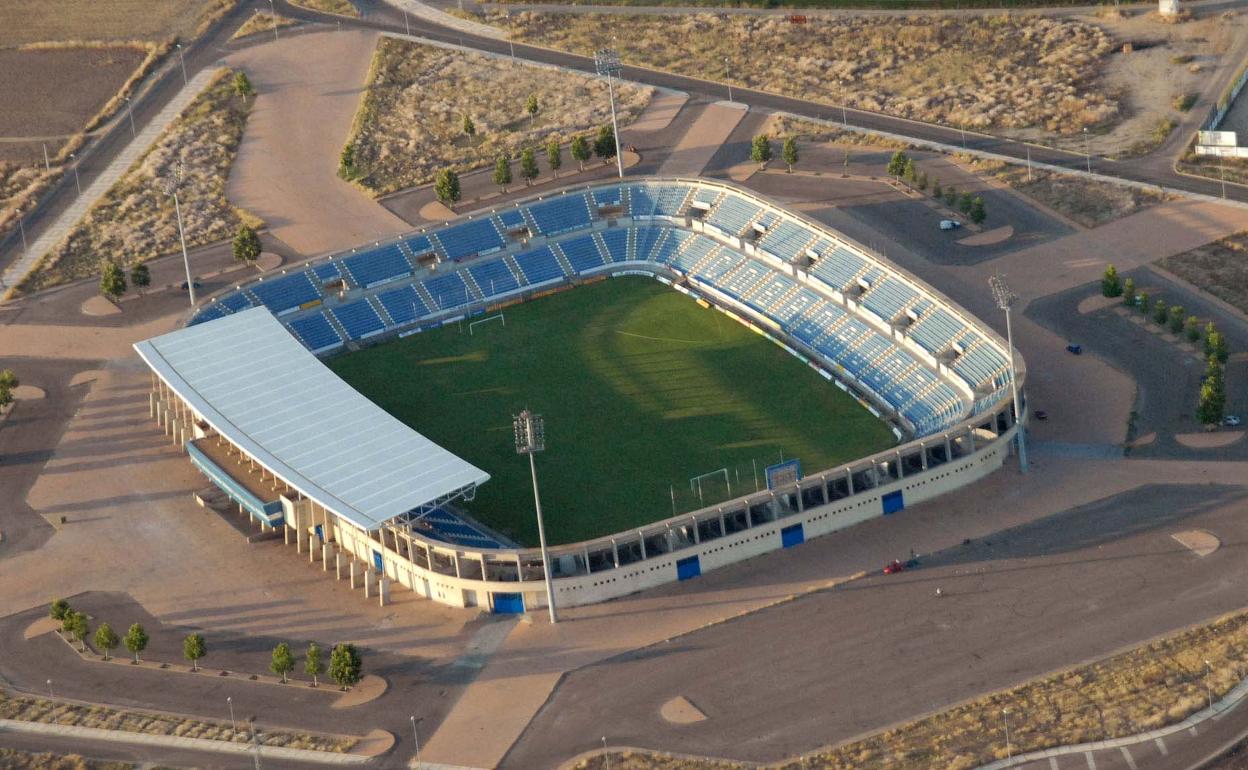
column 116, row 168
column 703, row 139
column 287, row 167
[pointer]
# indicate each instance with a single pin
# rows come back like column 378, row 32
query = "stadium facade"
column 242, row 388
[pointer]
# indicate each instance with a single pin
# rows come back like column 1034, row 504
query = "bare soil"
column 13, row 759
column 1220, row 268
column 54, row 92
column 262, row 23
column 29, row 21
column 341, row 7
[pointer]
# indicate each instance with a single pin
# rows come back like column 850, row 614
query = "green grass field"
column 641, row 389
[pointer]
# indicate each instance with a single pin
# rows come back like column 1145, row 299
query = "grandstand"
column 933, row 372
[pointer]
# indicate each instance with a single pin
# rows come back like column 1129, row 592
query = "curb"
column 171, row 741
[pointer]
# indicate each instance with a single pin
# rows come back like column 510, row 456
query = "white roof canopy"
column 252, row 381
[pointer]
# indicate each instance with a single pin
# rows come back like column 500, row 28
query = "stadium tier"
column 354, row 481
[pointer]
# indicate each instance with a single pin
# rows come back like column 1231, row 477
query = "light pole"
column 47, row 165
column 530, row 432
column 607, row 64
column 1087, row 148
column 605, row 755
column 171, row 188
column 406, row 23
column 1005, row 718
column 844, row 116
column 22, row 227
column 273, row 13
column 1004, row 298
column 255, row 742
column 233, row 724
column 130, row 113
column 1028, row 146
column 77, row 180
column 416, row 736
column 1208, row 687
column 182, row 58
column 1222, row 171
column 50, row 695
column 728, row 76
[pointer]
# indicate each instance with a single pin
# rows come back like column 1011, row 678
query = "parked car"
column 893, row 567
column 1074, row 349
column 1041, row 414
column 950, row 224
column 1232, row 421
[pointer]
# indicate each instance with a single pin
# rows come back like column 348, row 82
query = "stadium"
column 890, row 392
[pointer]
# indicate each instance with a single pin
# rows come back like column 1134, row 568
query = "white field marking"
column 1053, row 763
column 1091, row 760
column 1161, row 746
column 1127, row 756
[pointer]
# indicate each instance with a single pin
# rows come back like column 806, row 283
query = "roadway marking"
column 1052, row 763
column 1127, row 756
column 1161, row 746
column 1091, row 761
column 1192, row 730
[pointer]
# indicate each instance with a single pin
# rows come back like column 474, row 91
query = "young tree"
column 313, row 666
column 1178, row 314
column 1210, row 330
column 789, row 152
column 502, row 172
column 1145, row 302
column 1128, row 291
column 1221, row 350
column 977, row 213
column 528, row 165
column 1212, row 403
column 760, row 150
column 140, row 277
column 242, row 85
column 135, row 640
column 951, row 196
column 531, row 106
column 604, row 144
column 554, row 155
column 897, row 163
column 446, row 186
column 1161, row 311
column 937, row 193
column 909, row 172
column 1111, row 284
column 580, row 151
column 468, row 126
column 966, row 202
column 246, row 244
column 283, row 662
column 59, row 609
column 75, row 624
column 346, row 162
column 1193, row 329
column 112, row 280
column 345, row 665
column 194, row 648
column 922, row 181
column 106, row 639
column 8, row 382
column 846, row 164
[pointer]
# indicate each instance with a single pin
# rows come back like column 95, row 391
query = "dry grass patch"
column 808, row 131
column 13, row 759
column 410, row 122
column 28, row 709
column 1086, row 201
column 340, row 7
column 1220, row 268
column 135, row 221
column 261, row 22
column 28, row 21
column 1153, row 685
column 986, row 71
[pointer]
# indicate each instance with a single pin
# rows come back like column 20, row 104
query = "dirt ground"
column 54, row 92
column 1218, row 268
column 29, row 21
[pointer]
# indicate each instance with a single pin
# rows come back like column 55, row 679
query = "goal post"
column 715, row 485
column 496, row 317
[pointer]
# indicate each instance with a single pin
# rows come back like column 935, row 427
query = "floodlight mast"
column 171, row 188
column 530, row 430
column 1004, row 299
column 607, row 64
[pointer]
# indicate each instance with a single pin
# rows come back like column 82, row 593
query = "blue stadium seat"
column 608, row 196
column 512, row 219
column 287, row 292
column 419, row 245
column 448, row 290
column 403, row 305
column 582, row 253
column 936, row 329
column 315, row 332
column 616, row 241
column 476, row 236
column 561, row 215
column 326, row 272
column 839, row 267
column 787, row 240
column 377, row 265
column 733, row 214
column 209, row 313
column 358, row 319
column 889, row 298
column 494, row 277
column 539, row 265
column 235, row 302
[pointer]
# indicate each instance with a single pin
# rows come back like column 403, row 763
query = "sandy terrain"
column 28, row 21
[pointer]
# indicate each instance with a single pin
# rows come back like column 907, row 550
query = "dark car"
column 1075, row 349
column 1041, row 414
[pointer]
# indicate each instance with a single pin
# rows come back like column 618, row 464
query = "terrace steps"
column 510, row 261
column 563, row 260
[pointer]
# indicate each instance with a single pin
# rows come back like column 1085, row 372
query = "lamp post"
column 530, row 432
column 273, row 12
column 416, row 736
column 22, row 227
column 728, row 76
column 50, row 695
column 1222, row 171
column 1005, row 719
column 1208, row 686
column 607, row 64
column 255, row 742
column 77, row 180
column 233, row 724
column 130, row 113
column 171, row 188
column 1087, row 148
column 1004, row 298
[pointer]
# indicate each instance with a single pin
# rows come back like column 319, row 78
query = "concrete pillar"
column 326, row 550
column 368, row 583
column 948, row 449
column 151, row 404
column 901, row 470
column 823, row 490
column 354, row 567
column 615, row 553
column 338, row 565
column 849, row 481
column 801, row 504
column 923, row 455
column 383, row 590
column 286, row 534
column 299, row 531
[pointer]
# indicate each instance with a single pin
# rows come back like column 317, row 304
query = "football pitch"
column 642, row 390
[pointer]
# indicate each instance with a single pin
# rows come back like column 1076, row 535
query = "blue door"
column 893, row 502
column 320, row 533
column 377, row 560
column 792, row 535
column 688, row 568
column 506, row 604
